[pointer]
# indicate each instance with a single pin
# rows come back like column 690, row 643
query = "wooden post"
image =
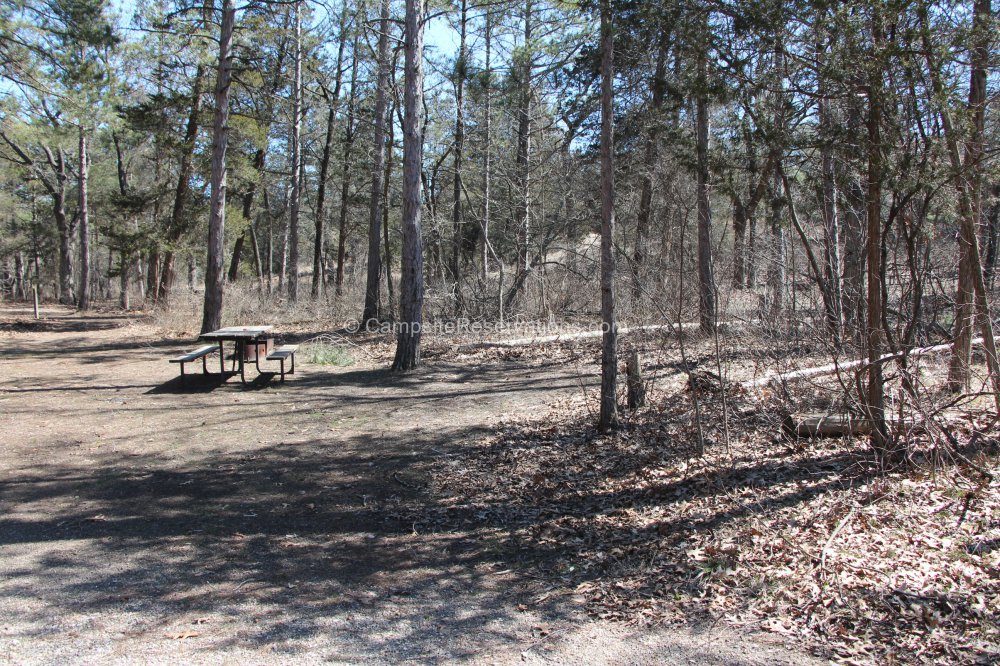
column 34, row 294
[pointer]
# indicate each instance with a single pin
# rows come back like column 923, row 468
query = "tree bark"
column 372, row 284
column 178, row 225
column 992, row 237
column 84, row 300
column 333, row 102
column 457, row 231
column 259, row 160
column 319, row 244
column 390, row 291
column 706, row 274
column 296, row 189
column 777, row 271
column 739, row 242
column 412, row 283
column 657, row 88
column 58, row 193
column 214, row 275
column 345, row 185
column 488, row 136
column 875, row 400
column 609, row 343
column 523, row 115
column 971, row 298
column 828, row 194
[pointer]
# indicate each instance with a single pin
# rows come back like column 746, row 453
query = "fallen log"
column 837, row 367
column 840, row 425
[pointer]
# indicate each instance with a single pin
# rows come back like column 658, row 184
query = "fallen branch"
column 833, row 535
column 543, row 339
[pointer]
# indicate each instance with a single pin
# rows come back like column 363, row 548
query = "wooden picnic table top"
column 236, row 333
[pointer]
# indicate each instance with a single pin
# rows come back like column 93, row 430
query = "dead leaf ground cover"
column 467, row 511
column 278, row 523
column 809, row 539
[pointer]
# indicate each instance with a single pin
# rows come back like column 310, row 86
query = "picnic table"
column 249, row 343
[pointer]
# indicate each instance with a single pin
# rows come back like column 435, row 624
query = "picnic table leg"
column 222, row 360
column 240, row 353
column 256, row 357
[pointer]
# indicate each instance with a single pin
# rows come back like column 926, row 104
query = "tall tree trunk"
column 20, row 284
column 739, row 242
column 777, row 271
column 971, row 298
column 296, row 189
column 609, row 346
column 124, row 274
column 270, row 245
column 828, row 196
column 65, row 229
column 372, row 284
column 755, row 194
column 488, row 137
column 457, row 232
column 234, row 260
column 214, row 275
column 992, row 236
column 345, row 184
column 875, row 402
column 854, row 256
column 178, row 225
column 657, row 88
column 523, row 114
column 319, row 244
column 84, row 301
column 706, row 273
column 257, row 259
column 854, row 209
column 333, row 102
column 412, row 283
column 390, row 292
column 259, row 160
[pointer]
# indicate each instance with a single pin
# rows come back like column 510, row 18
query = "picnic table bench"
column 280, row 354
column 201, row 352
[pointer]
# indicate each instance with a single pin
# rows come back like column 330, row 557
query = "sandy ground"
column 145, row 523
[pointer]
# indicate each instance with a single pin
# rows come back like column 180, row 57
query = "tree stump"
column 634, row 382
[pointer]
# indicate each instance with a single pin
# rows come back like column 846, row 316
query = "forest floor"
column 464, row 513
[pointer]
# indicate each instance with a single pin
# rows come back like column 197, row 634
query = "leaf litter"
column 807, row 539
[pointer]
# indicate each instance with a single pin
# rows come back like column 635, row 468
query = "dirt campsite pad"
column 146, row 523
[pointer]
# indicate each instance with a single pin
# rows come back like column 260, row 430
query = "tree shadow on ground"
column 308, row 537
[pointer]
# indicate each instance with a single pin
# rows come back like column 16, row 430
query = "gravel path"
column 140, row 523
